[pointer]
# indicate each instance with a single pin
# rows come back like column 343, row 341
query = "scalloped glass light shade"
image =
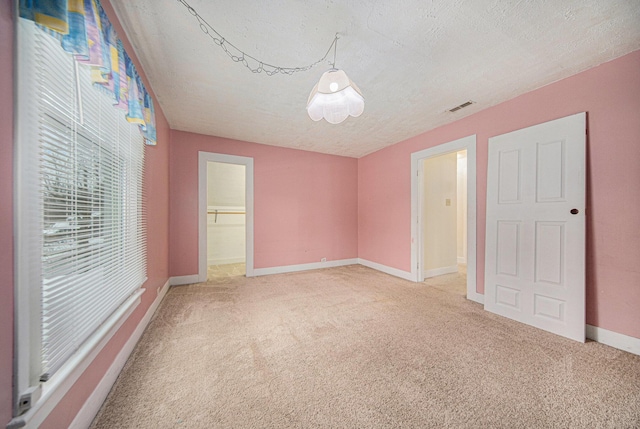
column 334, row 98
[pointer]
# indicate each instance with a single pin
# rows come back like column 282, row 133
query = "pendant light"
column 335, row 97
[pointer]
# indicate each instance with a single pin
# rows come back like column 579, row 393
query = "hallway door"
column 535, row 241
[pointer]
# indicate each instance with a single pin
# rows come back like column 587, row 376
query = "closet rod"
column 218, row 212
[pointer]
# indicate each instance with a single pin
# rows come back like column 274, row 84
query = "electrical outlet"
column 323, row 260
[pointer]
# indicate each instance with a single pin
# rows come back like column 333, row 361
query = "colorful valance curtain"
column 85, row 32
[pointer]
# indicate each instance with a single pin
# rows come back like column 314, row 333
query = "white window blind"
column 81, row 251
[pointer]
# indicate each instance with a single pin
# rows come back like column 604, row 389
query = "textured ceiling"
column 412, row 59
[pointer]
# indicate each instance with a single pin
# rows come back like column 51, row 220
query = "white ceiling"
column 412, row 59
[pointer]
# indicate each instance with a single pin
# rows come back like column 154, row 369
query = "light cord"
column 241, row 57
column 335, row 48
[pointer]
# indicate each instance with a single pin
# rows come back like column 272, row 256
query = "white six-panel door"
column 535, row 242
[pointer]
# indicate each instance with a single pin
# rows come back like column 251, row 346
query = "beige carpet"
column 350, row 347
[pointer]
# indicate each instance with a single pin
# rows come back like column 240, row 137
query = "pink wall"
column 157, row 191
column 610, row 93
column 305, row 203
column 310, row 205
column 6, row 210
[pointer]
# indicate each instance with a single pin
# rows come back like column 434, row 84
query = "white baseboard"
column 303, row 267
column 462, row 260
column 614, row 339
column 387, row 270
column 440, row 271
column 93, row 403
column 226, row 261
column 184, row 280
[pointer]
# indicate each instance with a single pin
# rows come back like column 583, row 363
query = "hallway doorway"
column 444, row 214
column 460, row 251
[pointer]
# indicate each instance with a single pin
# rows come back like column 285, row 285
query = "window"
column 80, row 245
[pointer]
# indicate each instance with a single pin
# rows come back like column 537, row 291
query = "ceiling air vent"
column 462, row 106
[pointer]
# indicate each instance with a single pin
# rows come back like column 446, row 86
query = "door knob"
column 575, row 211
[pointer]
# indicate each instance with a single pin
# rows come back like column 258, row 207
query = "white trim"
column 303, row 267
column 161, row 293
column 387, row 270
column 476, row 297
column 184, row 280
column 439, row 271
column 203, row 159
column 468, row 144
column 93, row 403
column 613, row 339
column 27, row 333
column 57, row 387
column 462, row 260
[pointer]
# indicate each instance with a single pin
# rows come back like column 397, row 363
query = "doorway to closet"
column 226, row 220
column 225, row 216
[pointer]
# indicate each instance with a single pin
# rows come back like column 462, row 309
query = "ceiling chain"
column 252, row 63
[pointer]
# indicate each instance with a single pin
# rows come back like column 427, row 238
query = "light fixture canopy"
column 334, row 98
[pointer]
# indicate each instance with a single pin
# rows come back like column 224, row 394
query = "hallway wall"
column 439, row 219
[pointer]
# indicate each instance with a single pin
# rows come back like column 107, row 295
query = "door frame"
column 466, row 143
column 203, row 159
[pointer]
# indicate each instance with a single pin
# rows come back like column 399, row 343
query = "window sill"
column 57, row 387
